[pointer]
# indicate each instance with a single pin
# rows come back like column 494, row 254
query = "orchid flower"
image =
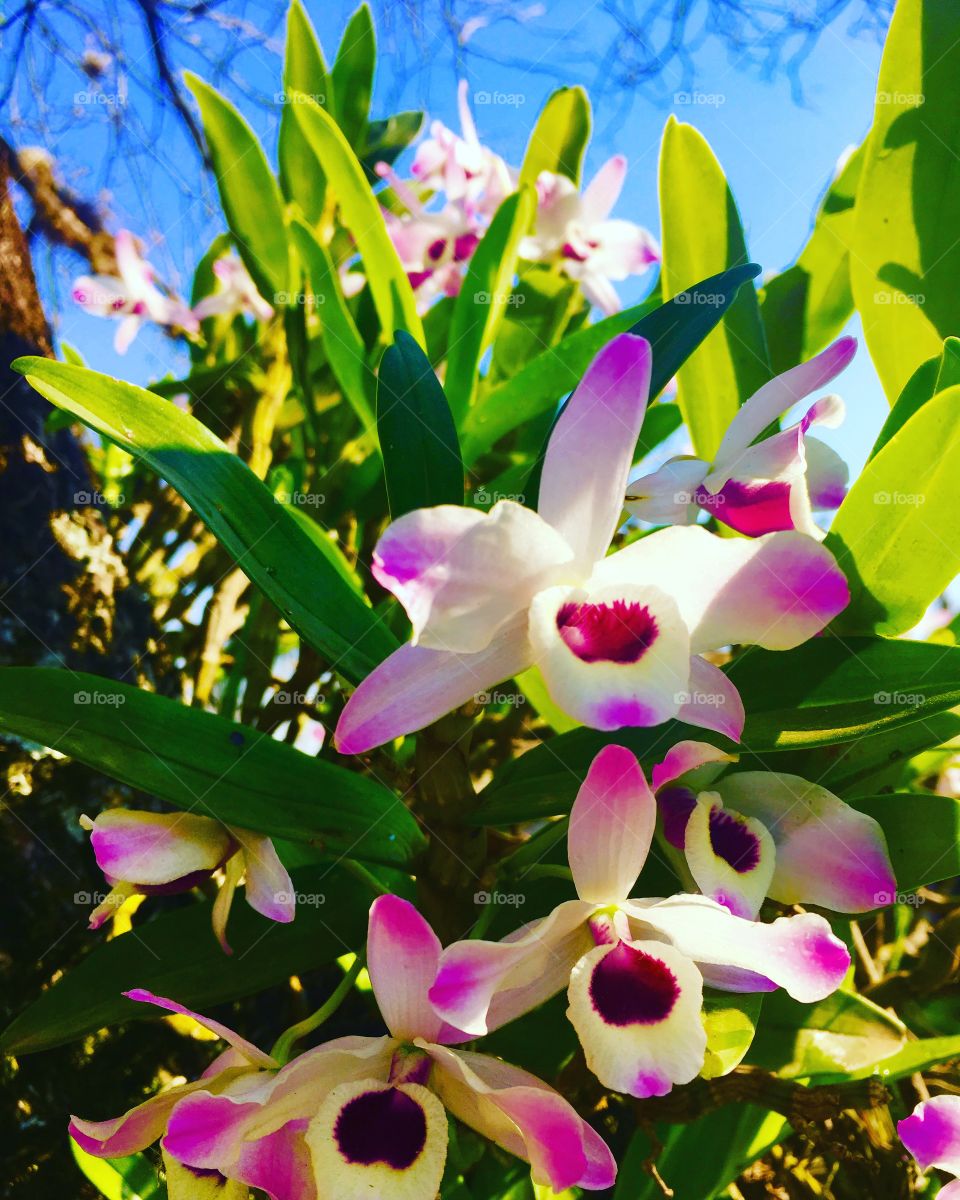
column 241, row 1072
column 159, row 854
column 634, row 970
column 759, row 486
column 372, row 1110
column 575, row 231
column 618, row 639
column 237, row 295
column 932, row 1135
column 759, row 833
column 433, row 248
column 464, row 170
column 131, row 295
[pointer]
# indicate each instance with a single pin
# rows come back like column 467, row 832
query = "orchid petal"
column 375, row 1139
column 526, row 1118
column 712, row 700
column 622, row 249
column 135, row 1130
column 482, row 985
column 827, row 852
column 269, row 888
column 731, row 857
column 611, row 656
column 153, row 849
column 932, row 1134
column 781, row 393
column 253, row 1055
column 774, row 591
column 127, row 330
column 207, row 1129
column 279, row 1164
column 800, row 954
column 603, row 190
column 219, row 918
column 686, row 757
column 611, row 827
column 415, row 687
column 185, row 1183
column 403, row 954
column 827, row 475
column 591, row 448
column 668, row 496
column 461, row 574
column 636, row 1009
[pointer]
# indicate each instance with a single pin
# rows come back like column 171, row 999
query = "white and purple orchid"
column 759, row 485
column 751, row 834
column 154, row 854
column 237, row 294
column 932, row 1135
column 634, row 969
column 576, row 232
column 241, row 1072
column 132, row 296
column 371, row 1111
column 619, row 639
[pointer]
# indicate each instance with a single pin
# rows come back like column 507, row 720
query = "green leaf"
column 822, row 693
column 698, row 1160
column 304, row 71
column 361, row 214
column 487, row 290
column 203, row 762
column 353, row 76
column 386, row 140
column 843, row 1033
column 928, row 380
column 808, row 305
column 173, row 955
column 919, row 1055
column 674, row 330
column 893, row 536
column 418, row 439
column 731, row 1023
column 906, row 258
column 249, row 192
column 559, row 137
column 702, row 234
column 923, row 835
column 257, row 531
column 342, row 342
column 133, row 1177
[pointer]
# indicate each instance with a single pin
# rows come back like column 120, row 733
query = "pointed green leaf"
column 353, row 76
column 418, row 439
column 304, row 71
column 559, row 137
column 361, row 214
column 249, row 193
column 906, row 257
column 702, row 235
column 253, row 527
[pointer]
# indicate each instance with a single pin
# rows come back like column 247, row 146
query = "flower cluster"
column 621, row 639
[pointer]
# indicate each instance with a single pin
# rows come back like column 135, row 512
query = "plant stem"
column 287, row 1040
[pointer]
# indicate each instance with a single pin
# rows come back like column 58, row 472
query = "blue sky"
column 778, row 155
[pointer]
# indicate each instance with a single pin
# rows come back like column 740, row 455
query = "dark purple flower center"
column 676, row 805
column 435, row 249
column 733, row 842
column 621, row 632
column 381, row 1127
column 631, row 987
